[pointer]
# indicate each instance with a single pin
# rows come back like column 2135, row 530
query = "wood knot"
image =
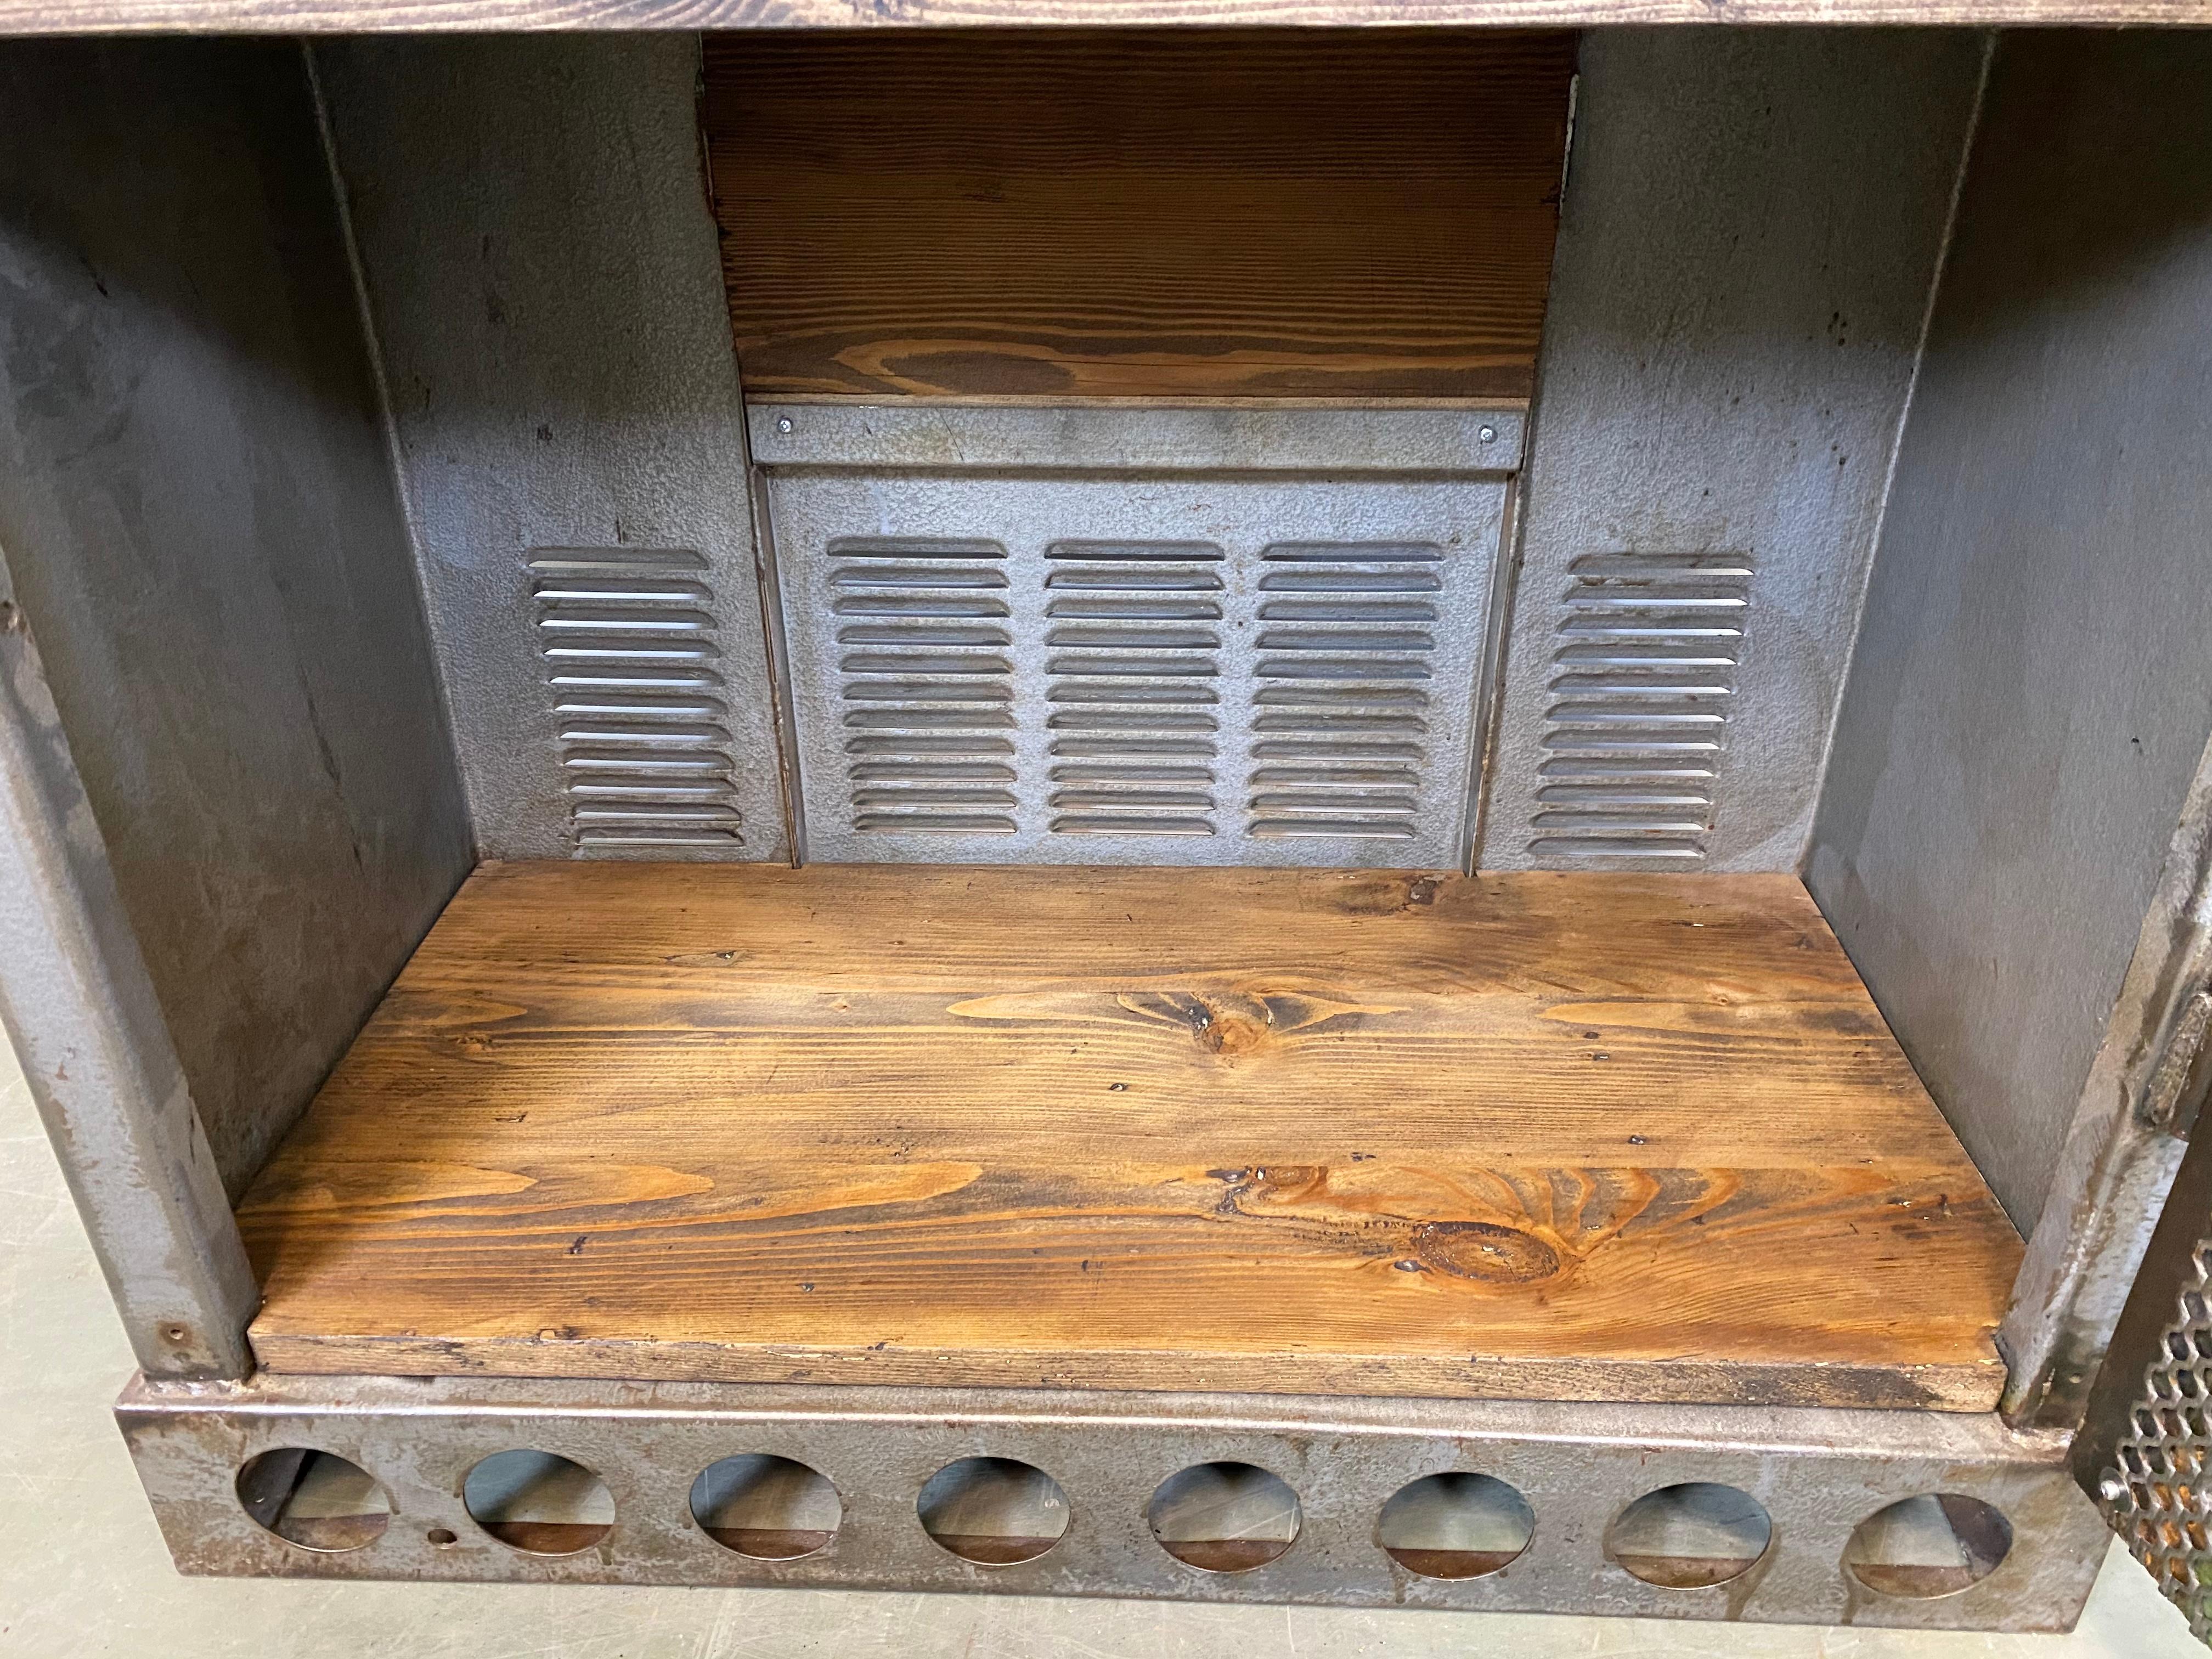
column 1478, row 1250
column 1226, row 1023
column 1234, row 1022
column 1255, row 1191
column 1386, row 896
column 1230, row 1025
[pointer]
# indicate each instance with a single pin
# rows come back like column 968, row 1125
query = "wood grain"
column 1138, row 214
column 30, row 17
column 1576, row 1136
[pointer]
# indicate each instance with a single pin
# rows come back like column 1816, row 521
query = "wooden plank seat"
column 1566, row 1136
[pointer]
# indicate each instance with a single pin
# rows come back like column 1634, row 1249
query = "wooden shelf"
column 1549, row 1136
column 1142, row 214
column 478, row 16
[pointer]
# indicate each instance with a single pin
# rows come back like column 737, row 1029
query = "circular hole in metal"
column 315, row 1499
column 442, row 1536
column 1937, row 1544
column 1458, row 1525
column 1690, row 1536
column 993, row 1511
column 538, row 1501
column 1224, row 1517
column 769, row 1508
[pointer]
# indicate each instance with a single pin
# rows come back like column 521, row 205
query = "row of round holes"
column 1216, row 1517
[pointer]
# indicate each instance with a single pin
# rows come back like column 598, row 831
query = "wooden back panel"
column 1138, row 214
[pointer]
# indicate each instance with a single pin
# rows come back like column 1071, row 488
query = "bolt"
column 784, row 425
column 1487, row 433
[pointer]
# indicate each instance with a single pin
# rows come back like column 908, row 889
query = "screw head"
column 1487, row 433
column 784, row 425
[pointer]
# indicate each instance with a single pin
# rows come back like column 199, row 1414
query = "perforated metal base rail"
column 1817, row 1474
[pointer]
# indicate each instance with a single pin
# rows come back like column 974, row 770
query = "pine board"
column 26, row 17
column 1572, row 1136
column 1138, row 214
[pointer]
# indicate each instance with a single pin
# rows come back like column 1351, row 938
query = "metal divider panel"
column 1136, row 670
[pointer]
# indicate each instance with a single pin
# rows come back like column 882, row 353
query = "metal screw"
column 784, row 425
column 1487, row 433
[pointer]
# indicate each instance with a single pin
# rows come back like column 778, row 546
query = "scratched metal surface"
column 207, row 545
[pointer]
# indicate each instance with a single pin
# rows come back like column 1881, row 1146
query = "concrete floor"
column 82, row 1570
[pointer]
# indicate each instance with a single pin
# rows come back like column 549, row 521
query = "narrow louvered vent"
column 1132, row 671
column 926, row 682
column 628, row 642
column 1343, row 687
column 1643, row 677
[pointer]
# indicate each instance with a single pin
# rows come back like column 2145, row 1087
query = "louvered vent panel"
column 1644, row 678
column 927, row 681
column 1345, row 682
column 1158, row 670
column 631, row 659
column 1133, row 674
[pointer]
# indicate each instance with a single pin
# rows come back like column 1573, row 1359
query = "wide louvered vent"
column 1075, row 669
column 631, row 659
column 927, row 683
column 1643, row 677
column 1133, row 670
column 1343, row 688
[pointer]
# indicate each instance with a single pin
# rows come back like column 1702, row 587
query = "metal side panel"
column 2144, row 1097
column 79, row 1009
column 2029, row 711
column 208, row 548
column 544, row 279
column 1838, row 1503
column 999, row 662
column 1744, row 263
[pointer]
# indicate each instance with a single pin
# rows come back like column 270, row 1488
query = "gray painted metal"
column 1744, row 266
column 2144, row 1095
column 1818, row 1473
column 203, row 529
column 991, row 664
column 544, row 279
column 2031, row 696
column 81, row 1015
column 1189, row 437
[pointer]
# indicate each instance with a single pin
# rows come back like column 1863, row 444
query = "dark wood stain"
column 1135, row 1128
column 1453, row 1563
column 26, row 17
column 995, row 1549
column 548, row 1537
column 1226, row 1554
column 769, row 1543
column 1138, row 214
